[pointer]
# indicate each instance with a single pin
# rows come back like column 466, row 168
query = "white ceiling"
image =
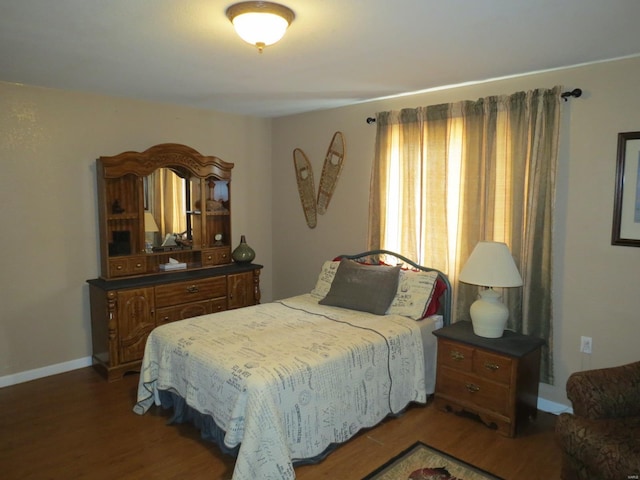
column 336, row 52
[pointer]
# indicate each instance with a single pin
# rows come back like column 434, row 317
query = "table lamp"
column 490, row 265
column 150, row 229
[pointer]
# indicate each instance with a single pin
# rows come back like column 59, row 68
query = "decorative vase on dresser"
column 175, row 265
column 243, row 253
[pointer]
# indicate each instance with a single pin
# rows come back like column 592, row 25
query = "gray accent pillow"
column 366, row 288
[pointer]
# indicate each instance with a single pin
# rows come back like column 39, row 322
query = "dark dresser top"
column 171, row 277
column 511, row 343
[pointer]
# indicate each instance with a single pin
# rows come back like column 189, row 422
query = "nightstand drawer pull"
column 472, row 387
column 193, row 289
column 491, row 366
column 456, row 355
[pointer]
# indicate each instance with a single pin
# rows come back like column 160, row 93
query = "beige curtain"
column 448, row 176
column 168, row 201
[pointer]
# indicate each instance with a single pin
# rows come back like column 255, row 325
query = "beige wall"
column 49, row 140
column 595, row 288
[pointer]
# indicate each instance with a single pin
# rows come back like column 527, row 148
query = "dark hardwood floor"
column 77, row 426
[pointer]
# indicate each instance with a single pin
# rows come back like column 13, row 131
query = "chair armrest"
column 607, row 392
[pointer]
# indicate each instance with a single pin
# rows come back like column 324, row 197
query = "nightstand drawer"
column 491, row 366
column 472, row 390
column 455, row 355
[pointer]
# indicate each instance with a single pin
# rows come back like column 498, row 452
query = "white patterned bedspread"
column 286, row 379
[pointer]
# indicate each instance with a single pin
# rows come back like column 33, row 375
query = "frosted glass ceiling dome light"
column 260, row 23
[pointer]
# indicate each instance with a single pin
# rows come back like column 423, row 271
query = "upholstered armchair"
column 601, row 439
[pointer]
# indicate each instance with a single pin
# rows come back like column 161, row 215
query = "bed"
column 284, row 383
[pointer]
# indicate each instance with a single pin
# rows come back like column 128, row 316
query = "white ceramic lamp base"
column 489, row 315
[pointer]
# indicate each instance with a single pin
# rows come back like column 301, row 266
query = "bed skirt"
column 211, row 432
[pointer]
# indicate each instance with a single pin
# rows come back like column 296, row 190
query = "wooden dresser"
column 165, row 248
column 495, row 379
column 124, row 311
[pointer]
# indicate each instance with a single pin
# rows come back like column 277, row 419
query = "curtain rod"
column 576, row 93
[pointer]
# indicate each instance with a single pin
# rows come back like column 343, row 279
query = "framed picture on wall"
column 626, row 205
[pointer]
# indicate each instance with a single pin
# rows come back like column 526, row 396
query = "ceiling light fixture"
column 260, row 23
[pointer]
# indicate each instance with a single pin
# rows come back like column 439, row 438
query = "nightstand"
column 495, row 379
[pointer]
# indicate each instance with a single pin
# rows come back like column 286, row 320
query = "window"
column 448, row 176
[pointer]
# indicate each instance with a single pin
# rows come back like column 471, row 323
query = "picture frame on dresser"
column 626, row 208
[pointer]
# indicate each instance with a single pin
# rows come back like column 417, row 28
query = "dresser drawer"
column 191, row 291
column 218, row 304
column 469, row 389
column 455, row 355
column 180, row 312
column 127, row 266
column 216, row 256
column 494, row 367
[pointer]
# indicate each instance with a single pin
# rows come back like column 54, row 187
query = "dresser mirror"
column 166, row 196
column 171, row 200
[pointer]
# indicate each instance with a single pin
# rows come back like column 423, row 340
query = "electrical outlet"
column 585, row 344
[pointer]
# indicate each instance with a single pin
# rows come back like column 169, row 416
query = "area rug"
column 421, row 462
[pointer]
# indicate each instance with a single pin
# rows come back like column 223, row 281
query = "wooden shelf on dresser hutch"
column 168, row 203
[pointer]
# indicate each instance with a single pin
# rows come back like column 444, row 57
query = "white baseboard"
column 553, row 407
column 29, row 375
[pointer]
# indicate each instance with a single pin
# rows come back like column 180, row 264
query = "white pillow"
column 415, row 289
column 325, row 279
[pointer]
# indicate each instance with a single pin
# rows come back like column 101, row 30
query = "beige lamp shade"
column 491, row 265
column 150, row 224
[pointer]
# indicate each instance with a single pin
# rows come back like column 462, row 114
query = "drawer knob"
column 138, row 265
column 193, row 289
column 491, row 366
column 209, row 257
column 472, row 387
column 119, row 267
column 456, row 355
